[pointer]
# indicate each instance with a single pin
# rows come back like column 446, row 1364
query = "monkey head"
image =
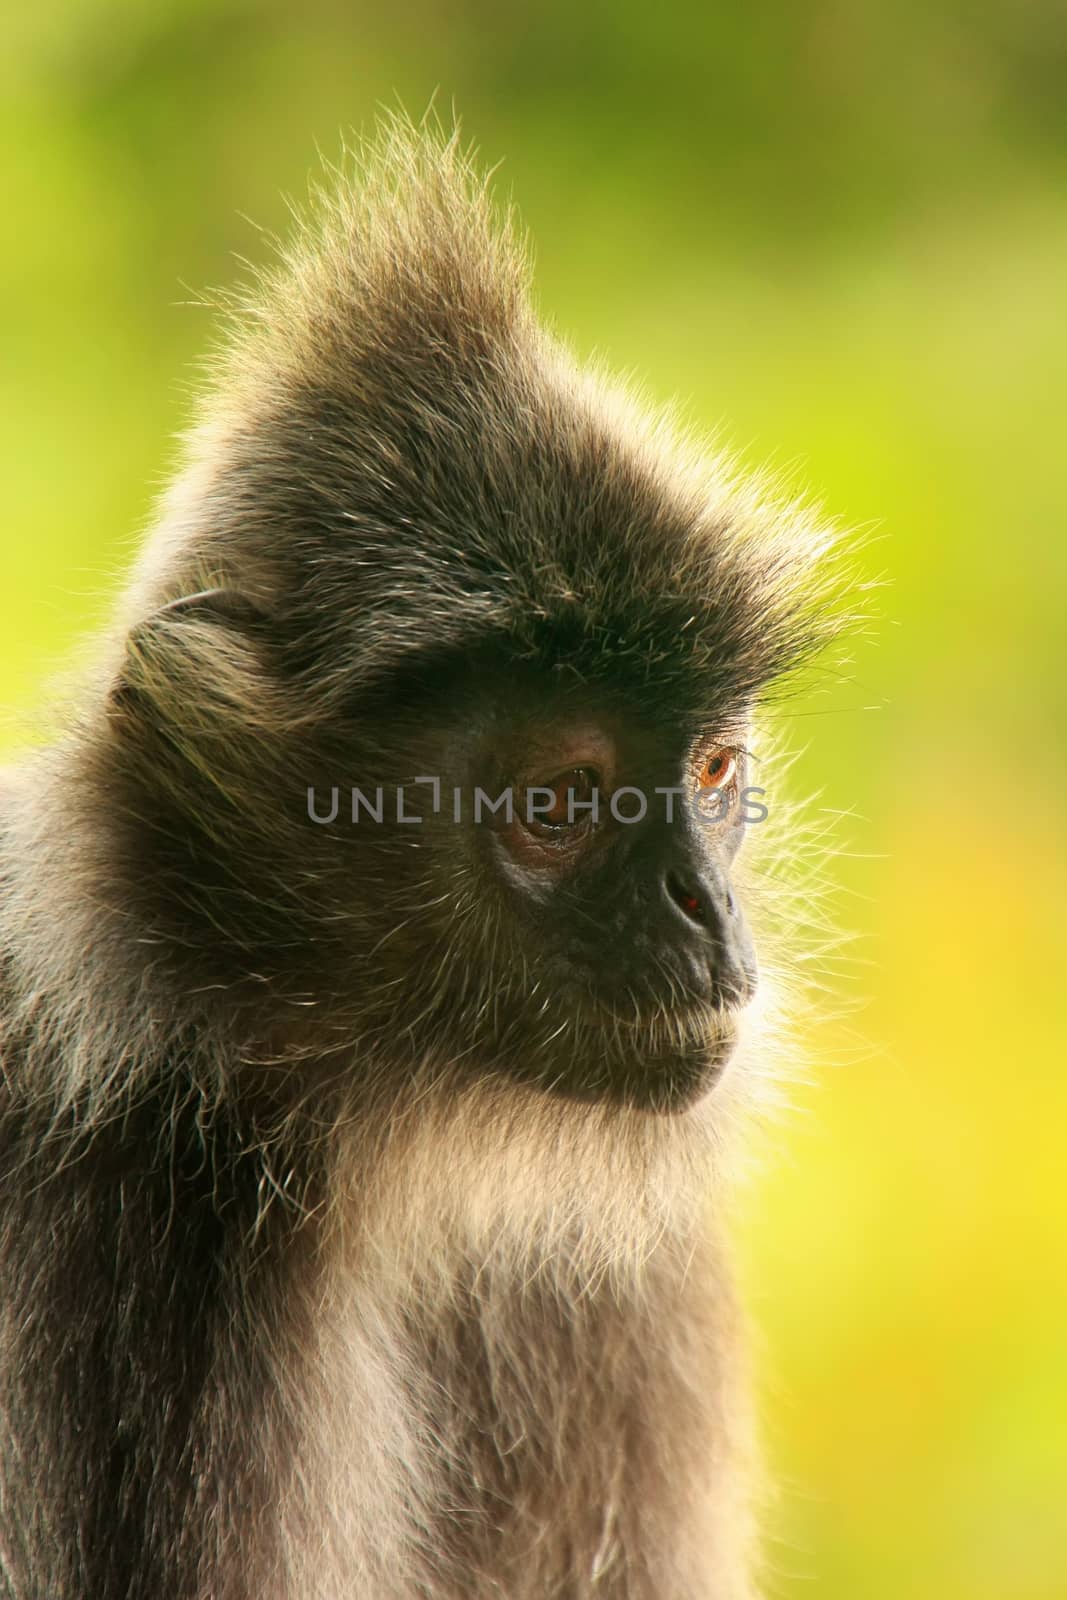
column 434, row 707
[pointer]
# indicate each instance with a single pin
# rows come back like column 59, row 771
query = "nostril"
column 687, row 897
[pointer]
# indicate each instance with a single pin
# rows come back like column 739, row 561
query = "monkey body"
column 356, row 1171
column 273, row 1402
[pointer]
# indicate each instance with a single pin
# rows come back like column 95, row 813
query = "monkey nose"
column 695, row 899
column 718, row 940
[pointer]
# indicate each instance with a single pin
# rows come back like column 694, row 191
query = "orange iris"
column 719, row 770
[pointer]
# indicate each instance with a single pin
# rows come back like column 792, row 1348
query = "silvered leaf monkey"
column 377, row 986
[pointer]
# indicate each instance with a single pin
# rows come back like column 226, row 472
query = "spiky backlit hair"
column 448, row 476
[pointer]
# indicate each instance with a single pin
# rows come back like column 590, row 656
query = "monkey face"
column 562, row 904
column 615, row 863
column 527, row 869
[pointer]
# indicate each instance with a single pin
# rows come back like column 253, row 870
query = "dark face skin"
column 602, row 958
column 625, row 892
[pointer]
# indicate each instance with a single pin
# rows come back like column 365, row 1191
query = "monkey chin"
column 660, row 1070
column 684, row 1073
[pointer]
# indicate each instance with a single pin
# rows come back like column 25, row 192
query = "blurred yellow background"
column 840, row 231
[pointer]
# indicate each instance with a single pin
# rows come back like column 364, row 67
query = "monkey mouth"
column 687, row 1046
column 710, row 1039
column 682, row 1071
column 690, row 1022
column 688, row 1067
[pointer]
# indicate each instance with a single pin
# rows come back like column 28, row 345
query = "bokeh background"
column 839, row 230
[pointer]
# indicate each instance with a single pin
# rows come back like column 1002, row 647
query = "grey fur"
column 307, row 1292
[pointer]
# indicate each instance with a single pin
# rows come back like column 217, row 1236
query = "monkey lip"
column 683, row 1071
column 698, row 1032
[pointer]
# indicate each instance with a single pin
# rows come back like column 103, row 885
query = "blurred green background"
column 838, row 229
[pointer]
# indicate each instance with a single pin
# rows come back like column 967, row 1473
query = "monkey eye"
column 571, row 794
column 719, row 769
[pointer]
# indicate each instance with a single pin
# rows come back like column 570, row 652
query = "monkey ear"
column 229, row 607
